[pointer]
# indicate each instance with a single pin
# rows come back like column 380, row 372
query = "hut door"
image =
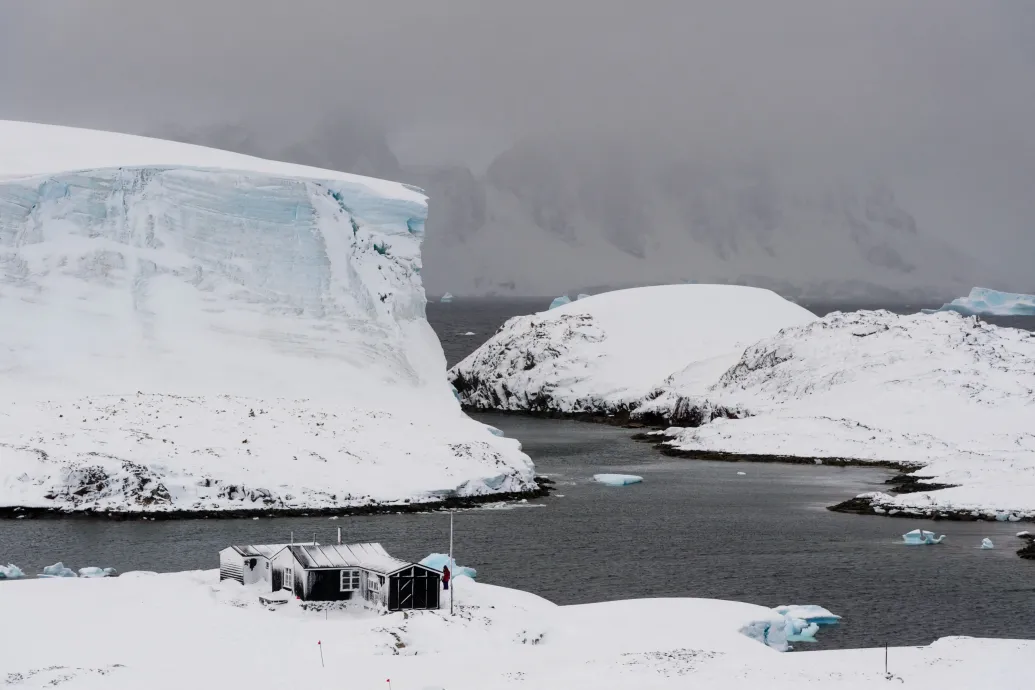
column 406, row 591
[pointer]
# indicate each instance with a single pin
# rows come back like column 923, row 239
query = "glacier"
column 200, row 330
column 982, row 301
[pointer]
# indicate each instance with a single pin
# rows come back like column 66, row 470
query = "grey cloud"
column 937, row 95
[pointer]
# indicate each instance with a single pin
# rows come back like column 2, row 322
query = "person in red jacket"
column 445, row 576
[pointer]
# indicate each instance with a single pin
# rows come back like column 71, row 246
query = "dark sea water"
column 692, row 528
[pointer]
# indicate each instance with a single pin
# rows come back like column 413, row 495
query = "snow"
column 982, row 301
column 57, row 570
column 919, row 537
column 11, row 572
column 560, row 301
column 986, row 543
column 438, row 561
column 809, row 612
column 206, row 331
column 944, row 392
column 92, row 571
column 446, row 298
column 617, row 479
column 217, row 634
column 610, row 352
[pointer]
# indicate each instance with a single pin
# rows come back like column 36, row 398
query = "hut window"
column 289, row 578
column 349, row 580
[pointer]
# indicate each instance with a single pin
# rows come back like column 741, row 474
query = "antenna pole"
column 452, row 564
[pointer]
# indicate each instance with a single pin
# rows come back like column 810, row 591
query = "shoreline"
column 544, row 485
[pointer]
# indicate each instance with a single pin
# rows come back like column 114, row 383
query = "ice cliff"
column 984, row 301
column 200, row 330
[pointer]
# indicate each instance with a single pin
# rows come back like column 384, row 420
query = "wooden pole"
column 320, row 645
column 452, row 564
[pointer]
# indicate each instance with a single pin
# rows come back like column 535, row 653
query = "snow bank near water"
column 217, row 634
column 608, row 351
column 200, row 330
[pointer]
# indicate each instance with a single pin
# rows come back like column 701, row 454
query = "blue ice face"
column 991, row 302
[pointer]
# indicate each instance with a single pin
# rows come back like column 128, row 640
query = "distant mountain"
column 553, row 216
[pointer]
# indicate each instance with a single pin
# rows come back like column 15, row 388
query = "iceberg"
column 57, row 570
column 986, row 543
column 560, row 301
column 11, row 572
column 921, row 536
column 790, row 623
column 446, row 298
column 582, row 295
column 91, row 571
column 982, row 301
column 437, row 561
column 617, row 479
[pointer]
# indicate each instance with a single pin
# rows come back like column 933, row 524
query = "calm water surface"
column 691, row 529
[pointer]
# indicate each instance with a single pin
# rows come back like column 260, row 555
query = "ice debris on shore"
column 91, row 571
column 11, row 572
column 986, row 543
column 494, row 431
column 437, row 561
column 922, row 536
column 560, row 301
column 790, row 623
column 617, row 479
column 982, row 301
column 57, row 570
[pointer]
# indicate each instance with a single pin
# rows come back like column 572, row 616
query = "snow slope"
column 607, row 352
column 203, row 330
column 198, row 632
column 949, row 393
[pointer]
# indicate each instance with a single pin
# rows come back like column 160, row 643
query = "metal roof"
column 264, row 550
column 368, row 556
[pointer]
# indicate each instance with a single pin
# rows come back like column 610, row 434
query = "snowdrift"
column 606, row 353
column 499, row 639
column 200, row 330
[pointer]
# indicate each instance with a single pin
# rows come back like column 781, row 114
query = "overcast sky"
column 928, row 87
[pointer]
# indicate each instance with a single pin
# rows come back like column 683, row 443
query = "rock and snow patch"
column 206, row 331
column 944, row 392
column 611, row 354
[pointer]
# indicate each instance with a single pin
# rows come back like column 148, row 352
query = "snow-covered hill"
column 942, row 391
column 217, row 634
column 607, row 353
column 195, row 329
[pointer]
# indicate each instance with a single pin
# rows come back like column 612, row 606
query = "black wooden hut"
column 343, row 572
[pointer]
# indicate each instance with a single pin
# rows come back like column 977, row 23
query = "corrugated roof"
column 369, row 556
column 264, row 550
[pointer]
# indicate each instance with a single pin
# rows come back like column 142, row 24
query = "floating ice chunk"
column 582, row 295
column 922, row 536
column 11, row 572
column 791, row 623
column 617, row 479
column 1024, row 534
column 810, row 613
column 560, row 301
column 58, row 570
column 91, row 571
column 494, row 431
column 991, row 302
column 437, row 561
column 469, row 333
column 446, row 298
column 986, row 543
column 741, row 473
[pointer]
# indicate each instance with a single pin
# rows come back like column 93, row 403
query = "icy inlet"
column 207, row 331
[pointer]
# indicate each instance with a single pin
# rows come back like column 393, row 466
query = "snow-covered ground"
column 609, row 351
column 942, row 392
column 188, row 630
column 202, row 330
